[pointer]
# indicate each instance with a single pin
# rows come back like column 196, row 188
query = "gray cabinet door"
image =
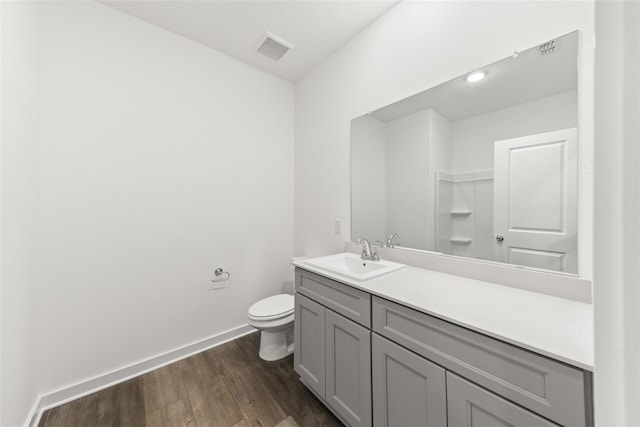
column 348, row 374
column 472, row 406
column 408, row 390
column 308, row 359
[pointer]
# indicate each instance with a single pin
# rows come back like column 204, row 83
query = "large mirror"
column 482, row 166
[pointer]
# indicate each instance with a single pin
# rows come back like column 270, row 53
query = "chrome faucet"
column 390, row 240
column 368, row 253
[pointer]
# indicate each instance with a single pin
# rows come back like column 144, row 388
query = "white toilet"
column 273, row 316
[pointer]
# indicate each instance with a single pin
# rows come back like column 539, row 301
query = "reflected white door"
column 535, row 200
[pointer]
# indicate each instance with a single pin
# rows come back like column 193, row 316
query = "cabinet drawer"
column 552, row 389
column 471, row 406
column 343, row 299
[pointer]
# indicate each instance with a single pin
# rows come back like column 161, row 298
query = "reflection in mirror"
column 485, row 169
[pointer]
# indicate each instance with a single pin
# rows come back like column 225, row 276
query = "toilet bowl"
column 273, row 316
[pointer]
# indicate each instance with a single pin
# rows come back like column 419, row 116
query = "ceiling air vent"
column 273, row 46
column 547, row 48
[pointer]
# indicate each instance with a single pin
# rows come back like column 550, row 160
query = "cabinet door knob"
column 499, row 238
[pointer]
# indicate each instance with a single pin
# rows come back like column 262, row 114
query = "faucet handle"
column 374, row 254
column 366, row 247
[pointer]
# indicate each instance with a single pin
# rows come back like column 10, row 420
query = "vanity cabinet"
column 333, row 352
column 374, row 361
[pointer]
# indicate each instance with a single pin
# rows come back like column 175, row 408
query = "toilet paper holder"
column 221, row 275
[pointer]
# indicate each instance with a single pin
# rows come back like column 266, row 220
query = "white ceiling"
column 316, row 29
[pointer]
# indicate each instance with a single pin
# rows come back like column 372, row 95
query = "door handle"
column 499, row 238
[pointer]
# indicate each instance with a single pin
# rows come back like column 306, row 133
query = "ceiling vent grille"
column 547, row 48
column 273, row 46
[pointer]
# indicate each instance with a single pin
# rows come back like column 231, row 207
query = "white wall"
column 439, row 142
column 617, row 209
column 368, row 179
column 409, row 207
column 20, row 106
column 162, row 160
column 473, row 138
column 473, row 150
column 412, row 47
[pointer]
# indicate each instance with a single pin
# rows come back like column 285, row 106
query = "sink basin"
column 351, row 265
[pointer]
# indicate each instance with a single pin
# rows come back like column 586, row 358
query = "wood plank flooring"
column 228, row 385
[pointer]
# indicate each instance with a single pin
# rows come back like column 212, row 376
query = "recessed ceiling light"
column 476, row 76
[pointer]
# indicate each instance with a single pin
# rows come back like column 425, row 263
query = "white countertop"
column 555, row 327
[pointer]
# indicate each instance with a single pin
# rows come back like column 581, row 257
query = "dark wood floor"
column 228, row 385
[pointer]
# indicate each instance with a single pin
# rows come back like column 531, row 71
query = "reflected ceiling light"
column 476, row 76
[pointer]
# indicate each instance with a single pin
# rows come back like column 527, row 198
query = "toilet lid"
column 272, row 306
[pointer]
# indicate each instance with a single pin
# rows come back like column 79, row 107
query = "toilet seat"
column 272, row 308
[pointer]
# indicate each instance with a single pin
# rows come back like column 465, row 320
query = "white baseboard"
column 33, row 418
column 84, row 388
